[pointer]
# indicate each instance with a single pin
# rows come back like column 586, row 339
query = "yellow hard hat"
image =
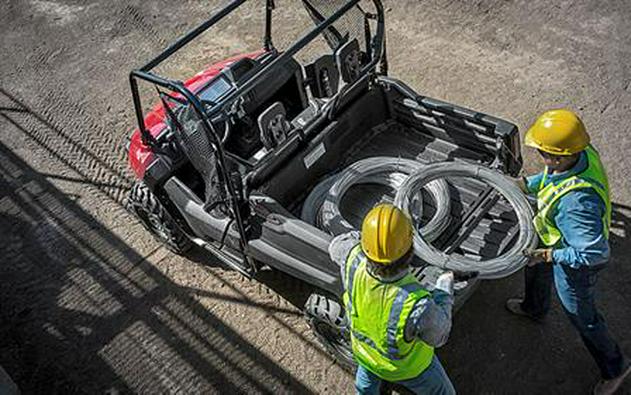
column 558, row 132
column 386, row 234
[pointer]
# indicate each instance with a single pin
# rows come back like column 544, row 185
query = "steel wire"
column 497, row 267
column 322, row 206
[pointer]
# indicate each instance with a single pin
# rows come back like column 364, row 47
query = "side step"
column 226, row 257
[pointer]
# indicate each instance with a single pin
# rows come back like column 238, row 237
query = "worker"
column 573, row 221
column 395, row 323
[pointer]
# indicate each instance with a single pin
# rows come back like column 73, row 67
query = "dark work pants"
column 576, row 291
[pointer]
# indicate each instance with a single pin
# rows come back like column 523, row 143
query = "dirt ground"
column 89, row 303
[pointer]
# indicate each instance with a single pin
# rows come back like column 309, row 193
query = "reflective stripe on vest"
column 378, row 313
column 352, row 262
column 593, row 176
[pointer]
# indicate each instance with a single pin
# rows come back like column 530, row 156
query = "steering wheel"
column 227, row 130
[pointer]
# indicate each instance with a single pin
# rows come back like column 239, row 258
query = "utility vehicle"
column 226, row 159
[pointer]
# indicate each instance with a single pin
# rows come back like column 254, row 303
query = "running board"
column 225, row 257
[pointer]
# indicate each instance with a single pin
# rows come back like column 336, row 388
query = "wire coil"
column 322, row 206
column 498, row 267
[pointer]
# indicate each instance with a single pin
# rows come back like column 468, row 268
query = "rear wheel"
column 152, row 214
column 328, row 321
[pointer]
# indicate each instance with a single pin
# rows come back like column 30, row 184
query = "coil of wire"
column 497, row 267
column 322, row 206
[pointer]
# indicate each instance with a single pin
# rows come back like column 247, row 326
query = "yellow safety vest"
column 593, row 176
column 378, row 313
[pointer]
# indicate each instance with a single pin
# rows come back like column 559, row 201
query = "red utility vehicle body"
column 140, row 155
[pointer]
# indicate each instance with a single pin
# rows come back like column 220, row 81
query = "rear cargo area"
column 489, row 237
column 481, row 224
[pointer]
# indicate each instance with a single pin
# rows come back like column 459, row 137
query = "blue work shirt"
column 579, row 217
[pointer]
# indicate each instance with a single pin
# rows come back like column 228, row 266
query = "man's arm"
column 533, row 182
column 340, row 247
column 430, row 319
column 579, row 217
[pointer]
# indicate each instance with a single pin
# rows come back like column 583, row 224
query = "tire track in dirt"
column 88, row 156
column 69, row 130
column 130, row 19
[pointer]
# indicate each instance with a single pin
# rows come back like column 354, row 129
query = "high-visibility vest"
column 593, row 176
column 378, row 312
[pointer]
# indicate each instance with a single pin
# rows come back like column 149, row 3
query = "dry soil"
column 89, row 303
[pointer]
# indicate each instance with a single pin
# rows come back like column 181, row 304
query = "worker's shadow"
column 492, row 349
column 620, row 230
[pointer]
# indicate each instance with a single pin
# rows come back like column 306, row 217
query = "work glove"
column 462, row 279
column 445, row 282
column 538, row 255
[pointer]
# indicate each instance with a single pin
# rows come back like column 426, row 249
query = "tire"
column 155, row 218
column 328, row 321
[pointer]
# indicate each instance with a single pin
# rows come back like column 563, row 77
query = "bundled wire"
column 322, row 206
column 498, row 267
column 312, row 206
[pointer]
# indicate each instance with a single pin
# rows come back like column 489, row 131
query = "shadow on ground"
column 77, row 302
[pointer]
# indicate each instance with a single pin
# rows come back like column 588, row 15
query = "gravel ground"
column 89, row 303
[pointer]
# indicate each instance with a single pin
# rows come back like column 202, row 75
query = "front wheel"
column 328, row 321
column 152, row 214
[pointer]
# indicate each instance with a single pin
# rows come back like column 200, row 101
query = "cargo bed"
column 391, row 121
column 401, row 124
column 496, row 228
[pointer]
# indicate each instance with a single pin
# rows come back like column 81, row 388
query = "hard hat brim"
column 381, row 261
column 531, row 142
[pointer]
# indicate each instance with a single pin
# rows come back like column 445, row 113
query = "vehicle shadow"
column 94, row 169
column 83, row 312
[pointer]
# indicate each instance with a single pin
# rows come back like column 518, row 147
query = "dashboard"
column 285, row 86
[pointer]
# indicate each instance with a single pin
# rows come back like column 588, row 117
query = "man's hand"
column 539, row 255
column 521, row 183
column 445, row 282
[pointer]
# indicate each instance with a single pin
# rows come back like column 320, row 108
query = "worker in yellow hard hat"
column 395, row 323
column 572, row 221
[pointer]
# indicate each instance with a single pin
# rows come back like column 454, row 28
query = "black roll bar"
column 190, row 36
column 210, row 130
column 144, row 73
column 267, row 40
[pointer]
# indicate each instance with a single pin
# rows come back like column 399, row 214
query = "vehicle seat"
column 350, row 60
column 273, row 125
column 323, row 77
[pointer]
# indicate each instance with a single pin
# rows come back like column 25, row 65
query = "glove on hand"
column 540, row 255
column 445, row 282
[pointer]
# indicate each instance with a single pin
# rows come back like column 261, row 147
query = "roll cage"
column 229, row 103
